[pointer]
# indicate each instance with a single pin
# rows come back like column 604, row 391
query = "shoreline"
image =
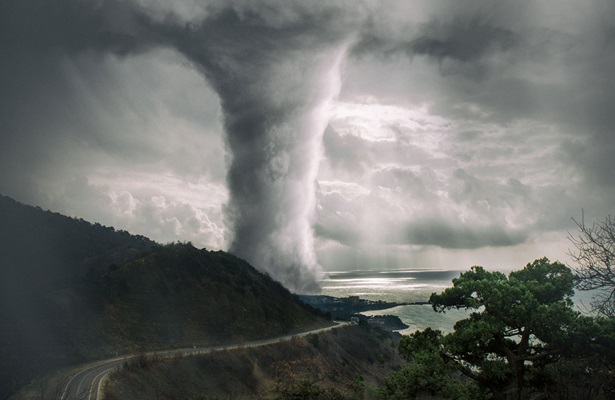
column 347, row 308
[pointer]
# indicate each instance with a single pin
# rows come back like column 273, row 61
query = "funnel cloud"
column 350, row 134
column 275, row 72
column 275, row 84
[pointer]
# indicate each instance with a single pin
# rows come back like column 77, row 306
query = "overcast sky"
column 351, row 135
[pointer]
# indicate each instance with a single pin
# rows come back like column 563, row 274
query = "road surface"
column 86, row 383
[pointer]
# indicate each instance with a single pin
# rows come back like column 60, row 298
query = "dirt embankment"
column 344, row 363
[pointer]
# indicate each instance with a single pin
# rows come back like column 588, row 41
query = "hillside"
column 346, row 363
column 71, row 291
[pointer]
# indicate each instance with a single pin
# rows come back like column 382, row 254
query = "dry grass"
column 343, row 364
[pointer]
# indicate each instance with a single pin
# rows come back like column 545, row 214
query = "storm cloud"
column 275, row 82
column 463, row 39
column 275, row 74
column 301, row 134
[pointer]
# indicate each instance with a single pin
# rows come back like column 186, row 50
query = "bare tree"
column 595, row 262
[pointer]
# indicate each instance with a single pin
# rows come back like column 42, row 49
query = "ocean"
column 406, row 286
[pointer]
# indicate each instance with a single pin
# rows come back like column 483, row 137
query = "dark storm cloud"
column 69, row 26
column 448, row 235
column 67, row 92
column 591, row 108
column 273, row 77
column 274, row 71
column 40, row 113
column 487, row 72
column 464, row 40
column 524, row 62
column 576, row 92
column 595, row 157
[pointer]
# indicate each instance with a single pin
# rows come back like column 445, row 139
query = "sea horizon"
column 405, row 287
column 397, row 286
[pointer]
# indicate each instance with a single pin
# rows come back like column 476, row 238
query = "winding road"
column 86, row 383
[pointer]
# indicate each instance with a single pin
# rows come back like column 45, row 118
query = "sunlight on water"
column 408, row 286
column 399, row 286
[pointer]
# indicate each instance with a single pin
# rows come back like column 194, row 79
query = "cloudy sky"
column 316, row 136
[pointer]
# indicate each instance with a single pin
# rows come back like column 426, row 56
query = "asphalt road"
column 86, row 383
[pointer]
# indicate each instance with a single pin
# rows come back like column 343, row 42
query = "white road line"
column 68, row 385
column 96, row 364
column 104, row 375
column 86, row 372
column 82, row 379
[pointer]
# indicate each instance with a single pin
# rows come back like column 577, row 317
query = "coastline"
column 347, row 308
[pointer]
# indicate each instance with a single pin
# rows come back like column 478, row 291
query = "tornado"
column 275, row 68
column 275, row 81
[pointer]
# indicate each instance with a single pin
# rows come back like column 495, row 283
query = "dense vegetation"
column 72, row 291
column 522, row 341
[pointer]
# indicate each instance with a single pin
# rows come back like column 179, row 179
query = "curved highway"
column 86, row 383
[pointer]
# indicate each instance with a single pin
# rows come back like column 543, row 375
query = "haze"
column 308, row 137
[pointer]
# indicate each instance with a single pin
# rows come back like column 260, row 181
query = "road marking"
column 68, row 385
column 104, row 375
column 89, row 370
column 96, row 364
column 93, row 370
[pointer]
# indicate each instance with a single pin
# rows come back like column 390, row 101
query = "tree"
column 427, row 372
column 519, row 325
column 595, row 259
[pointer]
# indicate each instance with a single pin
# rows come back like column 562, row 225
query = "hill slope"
column 339, row 364
column 71, row 291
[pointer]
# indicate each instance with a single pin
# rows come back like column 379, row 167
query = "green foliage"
column 520, row 325
column 586, row 337
column 314, row 339
column 427, row 372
